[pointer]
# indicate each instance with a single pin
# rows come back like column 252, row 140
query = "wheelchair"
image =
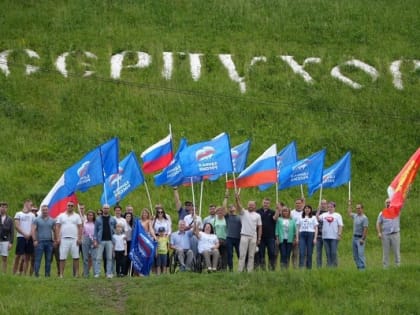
column 174, row 265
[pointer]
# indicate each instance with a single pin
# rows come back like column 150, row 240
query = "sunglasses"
column 159, row 212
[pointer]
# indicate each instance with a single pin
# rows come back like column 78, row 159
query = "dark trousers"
column 285, row 249
column 232, row 243
column 269, row 244
column 120, row 259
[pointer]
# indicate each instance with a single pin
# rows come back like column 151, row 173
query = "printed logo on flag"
column 328, row 178
column 115, row 178
column 83, row 173
column 206, row 153
column 205, row 160
column 302, row 171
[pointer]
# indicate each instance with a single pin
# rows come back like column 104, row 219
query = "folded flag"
column 398, row 189
column 119, row 185
column 336, row 175
column 207, row 158
column 142, row 251
column 158, row 156
column 262, row 171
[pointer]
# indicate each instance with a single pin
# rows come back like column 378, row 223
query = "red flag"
column 398, row 188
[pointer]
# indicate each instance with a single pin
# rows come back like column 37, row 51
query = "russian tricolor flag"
column 158, row 156
column 262, row 171
column 58, row 197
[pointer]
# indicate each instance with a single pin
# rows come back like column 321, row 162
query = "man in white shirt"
column 250, row 233
column 24, row 244
column 69, row 237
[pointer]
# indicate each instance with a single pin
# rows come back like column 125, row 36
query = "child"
column 162, row 251
column 120, row 249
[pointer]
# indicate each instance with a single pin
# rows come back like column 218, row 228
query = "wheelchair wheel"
column 173, row 262
column 198, row 264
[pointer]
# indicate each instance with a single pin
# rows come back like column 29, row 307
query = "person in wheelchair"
column 208, row 246
column 180, row 242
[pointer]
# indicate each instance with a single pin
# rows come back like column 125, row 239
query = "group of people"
column 250, row 233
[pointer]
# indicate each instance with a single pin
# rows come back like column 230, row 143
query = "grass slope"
column 50, row 121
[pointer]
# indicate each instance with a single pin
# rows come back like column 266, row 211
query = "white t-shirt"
column 296, row 215
column 250, row 221
column 307, row 224
column 119, row 242
column 330, row 224
column 69, row 224
column 206, row 242
column 25, row 222
column 189, row 218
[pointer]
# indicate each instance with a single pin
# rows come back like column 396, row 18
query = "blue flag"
column 306, row 171
column 288, row 155
column 172, row 174
column 128, row 178
column 239, row 156
column 207, row 158
column 143, row 249
column 93, row 167
column 336, row 175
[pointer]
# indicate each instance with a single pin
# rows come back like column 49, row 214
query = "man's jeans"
column 107, row 246
column 47, row 248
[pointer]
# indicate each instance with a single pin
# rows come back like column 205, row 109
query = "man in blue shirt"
column 181, row 243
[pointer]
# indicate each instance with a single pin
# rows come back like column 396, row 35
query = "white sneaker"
column 96, row 276
column 109, row 276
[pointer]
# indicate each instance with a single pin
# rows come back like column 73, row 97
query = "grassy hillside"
column 49, row 120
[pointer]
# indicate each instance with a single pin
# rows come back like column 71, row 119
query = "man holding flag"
column 389, row 233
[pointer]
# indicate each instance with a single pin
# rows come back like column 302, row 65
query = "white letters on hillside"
column 28, row 68
column 336, row 73
column 61, row 64
column 298, row 69
column 227, row 61
column 195, row 66
column 3, row 62
column 394, row 68
column 144, row 60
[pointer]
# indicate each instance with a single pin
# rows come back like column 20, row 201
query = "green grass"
column 48, row 122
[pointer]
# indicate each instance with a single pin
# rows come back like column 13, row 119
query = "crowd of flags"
column 209, row 160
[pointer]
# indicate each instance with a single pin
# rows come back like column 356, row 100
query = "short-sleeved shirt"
column 25, row 222
column 250, row 221
column 220, row 227
column 389, row 226
column 44, row 228
column 360, row 222
column 330, row 224
column 119, row 241
column 181, row 240
column 268, row 223
column 206, row 242
column 162, row 248
column 234, row 225
column 69, row 224
column 307, row 224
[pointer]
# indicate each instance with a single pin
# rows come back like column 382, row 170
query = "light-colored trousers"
column 391, row 241
column 211, row 257
column 248, row 245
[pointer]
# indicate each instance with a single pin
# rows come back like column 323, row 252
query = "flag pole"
column 277, row 192
column 192, row 191
column 349, row 189
column 301, row 191
column 320, row 195
column 148, row 197
column 201, row 196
